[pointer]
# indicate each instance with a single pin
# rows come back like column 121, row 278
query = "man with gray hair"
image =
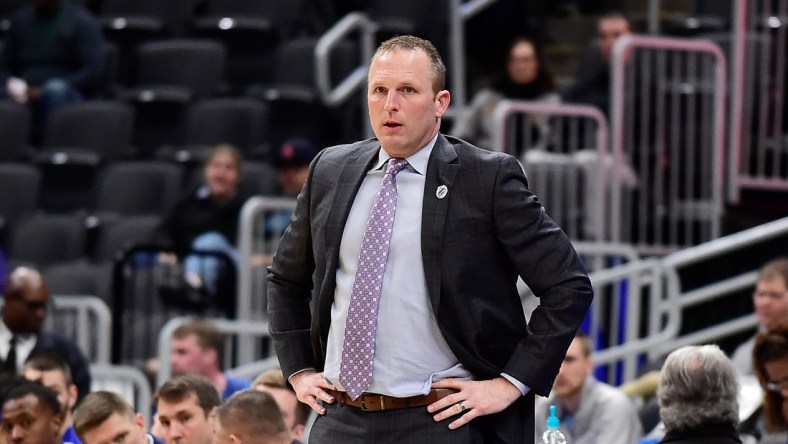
column 697, row 396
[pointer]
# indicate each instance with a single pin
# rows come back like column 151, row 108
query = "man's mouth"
column 391, row 124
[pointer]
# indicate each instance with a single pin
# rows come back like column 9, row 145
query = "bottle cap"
column 553, row 422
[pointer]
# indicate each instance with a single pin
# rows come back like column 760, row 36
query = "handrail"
column 505, row 108
column 84, row 305
column 143, row 394
column 622, row 50
column 354, row 21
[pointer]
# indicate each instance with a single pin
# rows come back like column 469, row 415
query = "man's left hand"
column 473, row 399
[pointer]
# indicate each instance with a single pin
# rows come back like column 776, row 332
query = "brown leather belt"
column 371, row 402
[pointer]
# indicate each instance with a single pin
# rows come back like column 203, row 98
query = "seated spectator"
column 590, row 411
column 53, row 54
column 31, row 415
column 292, row 161
column 526, row 78
column 52, row 372
column 186, row 409
column 251, row 417
column 770, row 301
column 21, row 335
column 206, row 219
column 295, row 413
column 105, row 417
column 198, row 349
column 697, row 396
column 770, row 360
column 592, row 84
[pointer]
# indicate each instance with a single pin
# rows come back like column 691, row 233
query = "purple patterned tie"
column 358, row 350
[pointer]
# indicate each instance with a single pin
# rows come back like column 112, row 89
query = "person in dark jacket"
column 698, row 397
column 206, row 219
column 53, row 54
column 21, row 335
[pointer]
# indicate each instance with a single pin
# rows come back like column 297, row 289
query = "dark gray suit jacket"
column 475, row 242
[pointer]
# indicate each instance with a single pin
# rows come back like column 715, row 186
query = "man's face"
column 403, row 109
column 29, row 421
column 292, row 179
column 185, row 422
column 55, row 380
column 24, row 311
column 609, row 30
column 287, row 401
column 573, row 371
column 117, row 429
column 771, row 300
column 188, row 357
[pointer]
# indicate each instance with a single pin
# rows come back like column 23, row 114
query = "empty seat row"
column 127, row 188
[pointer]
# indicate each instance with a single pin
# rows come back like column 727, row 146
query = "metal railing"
column 564, row 148
column 128, row 382
column 85, row 319
column 668, row 123
column 668, row 300
column 758, row 113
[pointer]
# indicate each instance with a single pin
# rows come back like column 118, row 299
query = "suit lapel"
column 441, row 171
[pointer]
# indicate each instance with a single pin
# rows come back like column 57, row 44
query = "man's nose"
column 392, row 102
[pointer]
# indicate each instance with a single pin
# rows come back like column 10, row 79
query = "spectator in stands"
column 526, row 78
column 697, row 395
column 251, row 417
column 206, row 219
column 295, row 413
column 770, row 359
column 53, row 54
column 770, row 301
column 592, row 84
column 21, row 335
column 198, row 349
column 590, row 411
column 31, row 415
column 52, row 372
column 292, row 161
column 186, row 407
column 106, row 418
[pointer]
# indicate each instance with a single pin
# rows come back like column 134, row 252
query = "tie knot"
column 396, row 164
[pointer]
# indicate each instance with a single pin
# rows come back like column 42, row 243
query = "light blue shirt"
column 410, row 351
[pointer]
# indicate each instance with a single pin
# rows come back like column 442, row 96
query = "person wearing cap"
column 292, row 161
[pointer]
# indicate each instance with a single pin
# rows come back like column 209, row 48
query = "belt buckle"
column 367, row 409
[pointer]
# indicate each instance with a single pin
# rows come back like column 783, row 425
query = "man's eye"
column 408, row 90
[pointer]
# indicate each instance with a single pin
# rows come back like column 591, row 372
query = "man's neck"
column 219, row 381
column 571, row 403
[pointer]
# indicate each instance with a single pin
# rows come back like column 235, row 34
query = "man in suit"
column 440, row 350
column 21, row 335
column 105, row 417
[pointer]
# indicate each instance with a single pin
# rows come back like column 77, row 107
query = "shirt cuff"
column 290, row 378
column 520, row 386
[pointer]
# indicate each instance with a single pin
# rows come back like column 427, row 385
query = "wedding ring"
column 462, row 406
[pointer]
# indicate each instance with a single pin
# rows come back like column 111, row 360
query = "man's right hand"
column 309, row 386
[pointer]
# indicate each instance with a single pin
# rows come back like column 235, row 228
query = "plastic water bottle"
column 552, row 435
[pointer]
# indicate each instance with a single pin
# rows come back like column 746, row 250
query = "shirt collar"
column 417, row 161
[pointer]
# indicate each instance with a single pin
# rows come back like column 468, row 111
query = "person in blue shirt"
column 198, row 348
column 54, row 373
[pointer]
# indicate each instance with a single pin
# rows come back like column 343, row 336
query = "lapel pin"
column 441, row 192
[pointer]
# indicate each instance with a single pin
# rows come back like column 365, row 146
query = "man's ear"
column 235, row 440
column 73, row 393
